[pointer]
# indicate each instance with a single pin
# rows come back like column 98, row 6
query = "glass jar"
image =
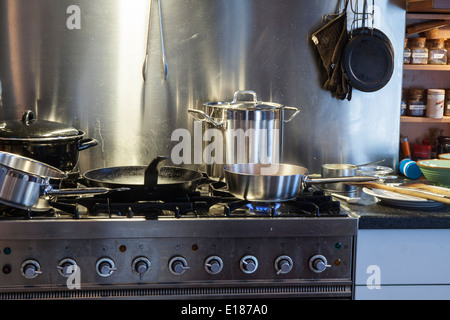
column 437, row 54
column 435, row 103
column 417, row 104
column 404, row 104
column 447, row 103
column 406, row 53
column 419, row 52
column 447, row 47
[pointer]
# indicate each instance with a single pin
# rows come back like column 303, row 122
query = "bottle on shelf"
column 437, row 54
column 419, row 51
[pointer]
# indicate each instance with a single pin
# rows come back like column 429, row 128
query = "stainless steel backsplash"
column 92, row 77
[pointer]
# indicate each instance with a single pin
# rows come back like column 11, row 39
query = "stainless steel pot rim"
column 283, row 169
column 80, row 135
column 30, row 166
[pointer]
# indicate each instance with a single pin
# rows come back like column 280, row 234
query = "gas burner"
column 263, row 208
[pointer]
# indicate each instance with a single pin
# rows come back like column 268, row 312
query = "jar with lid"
column 447, row 47
column 447, row 103
column 435, row 103
column 437, row 54
column 404, row 104
column 419, row 52
column 417, row 105
column 406, row 53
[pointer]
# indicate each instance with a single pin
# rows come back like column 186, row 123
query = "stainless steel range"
column 204, row 245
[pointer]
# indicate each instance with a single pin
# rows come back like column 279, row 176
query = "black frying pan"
column 146, row 180
column 368, row 60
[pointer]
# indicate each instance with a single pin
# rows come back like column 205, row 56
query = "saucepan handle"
column 80, row 191
column 195, row 113
column 340, row 179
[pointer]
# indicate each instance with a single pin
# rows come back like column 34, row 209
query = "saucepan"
column 23, row 181
column 258, row 182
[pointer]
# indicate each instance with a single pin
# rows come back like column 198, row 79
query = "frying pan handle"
column 152, row 171
column 297, row 111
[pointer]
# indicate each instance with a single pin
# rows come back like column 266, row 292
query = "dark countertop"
column 374, row 214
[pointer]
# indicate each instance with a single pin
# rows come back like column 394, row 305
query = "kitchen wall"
column 85, row 68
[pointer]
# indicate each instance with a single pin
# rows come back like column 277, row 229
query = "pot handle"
column 297, row 111
column 340, row 179
column 87, row 143
column 194, row 113
column 253, row 93
column 69, row 192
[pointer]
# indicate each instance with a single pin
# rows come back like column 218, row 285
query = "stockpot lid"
column 31, row 128
column 249, row 105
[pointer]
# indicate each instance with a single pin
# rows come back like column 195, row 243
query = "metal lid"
column 31, row 128
column 249, row 105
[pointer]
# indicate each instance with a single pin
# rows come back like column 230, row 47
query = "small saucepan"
column 23, row 181
column 258, row 182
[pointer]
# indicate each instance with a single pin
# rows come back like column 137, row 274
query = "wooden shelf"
column 427, row 16
column 405, row 119
column 427, row 67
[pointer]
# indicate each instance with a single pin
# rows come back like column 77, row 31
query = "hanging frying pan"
column 368, row 60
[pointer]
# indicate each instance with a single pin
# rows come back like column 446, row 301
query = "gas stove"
column 204, row 245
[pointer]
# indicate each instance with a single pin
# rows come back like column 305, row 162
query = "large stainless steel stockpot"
column 251, row 131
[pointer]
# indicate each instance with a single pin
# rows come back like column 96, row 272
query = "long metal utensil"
column 163, row 50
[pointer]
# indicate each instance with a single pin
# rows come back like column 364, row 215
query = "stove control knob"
column 178, row 266
column 140, row 265
column 318, row 263
column 31, row 269
column 213, row 265
column 67, row 267
column 283, row 264
column 249, row 264
column 105, row 267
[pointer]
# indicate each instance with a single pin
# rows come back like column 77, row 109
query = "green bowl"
column 436, row 171
column 445, row 156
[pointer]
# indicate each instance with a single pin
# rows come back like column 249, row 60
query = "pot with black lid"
column 52, row 143
column 251, row 131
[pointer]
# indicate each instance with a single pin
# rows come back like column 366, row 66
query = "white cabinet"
column 403, row 264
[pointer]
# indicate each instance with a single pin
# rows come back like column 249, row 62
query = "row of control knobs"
column 177, row 266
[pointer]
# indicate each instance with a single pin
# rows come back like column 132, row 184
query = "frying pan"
column 249, row 181
column 368, row 60
column 153, row 179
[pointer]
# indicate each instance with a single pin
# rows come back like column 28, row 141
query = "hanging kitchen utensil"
column 163, row 49
column 368, row 60
column 330, row 41
column 248, row 181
